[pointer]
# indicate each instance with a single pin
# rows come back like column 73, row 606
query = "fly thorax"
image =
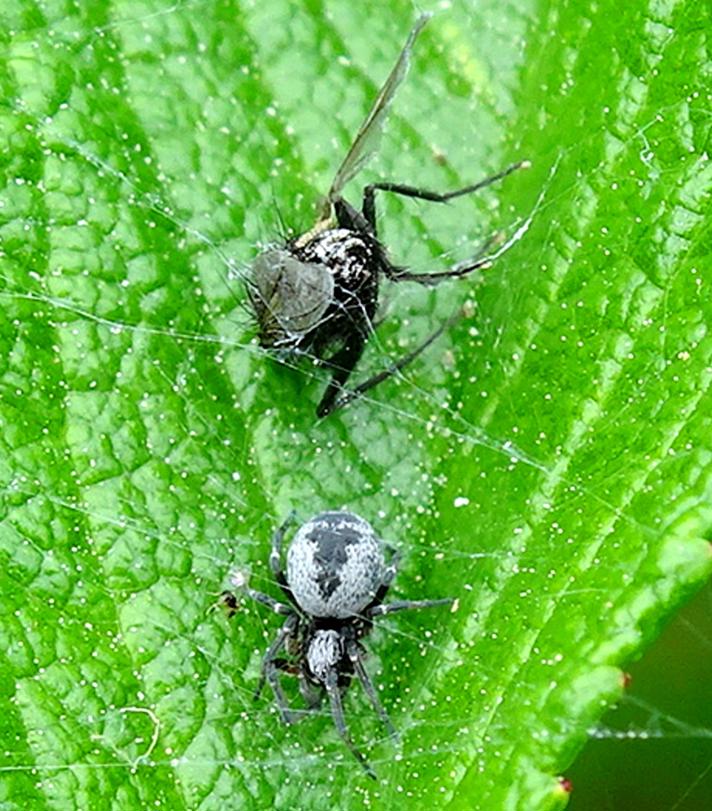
column 349, row 255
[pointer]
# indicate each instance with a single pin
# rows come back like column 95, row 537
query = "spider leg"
column 277, row 538
column 388, row 577
column 369, row 203
column 275, row 557
column 311, row 694
column 342, row 364
column 340, row 400
column 271, row 668
column 392, row 568
column 337, row 712
column 355, row 655
column 404, row 605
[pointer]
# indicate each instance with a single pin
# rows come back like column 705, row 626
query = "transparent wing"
column 366, row 140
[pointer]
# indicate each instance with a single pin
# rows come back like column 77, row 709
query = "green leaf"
column 547, row 461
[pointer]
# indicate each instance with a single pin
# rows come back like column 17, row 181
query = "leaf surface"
column 547, row 461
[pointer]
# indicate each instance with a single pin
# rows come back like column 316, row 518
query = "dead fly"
column 318, row 293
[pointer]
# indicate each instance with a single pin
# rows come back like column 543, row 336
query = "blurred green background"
column 655, row 749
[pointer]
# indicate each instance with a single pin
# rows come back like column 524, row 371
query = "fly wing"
column 366, row 140
column 289, row 297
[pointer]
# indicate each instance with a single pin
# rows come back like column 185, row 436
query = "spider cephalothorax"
column 337, row 578
column 318, row 293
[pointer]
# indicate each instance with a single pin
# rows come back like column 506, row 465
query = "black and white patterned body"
column 318, row 293
column 336, row 580
column 335, row 565
column 354, row 260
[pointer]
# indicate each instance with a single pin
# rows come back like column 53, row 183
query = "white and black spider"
column 318, row 293
column 337, row 578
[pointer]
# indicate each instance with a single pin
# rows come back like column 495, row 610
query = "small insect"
column 337, row 578
column 318, row 293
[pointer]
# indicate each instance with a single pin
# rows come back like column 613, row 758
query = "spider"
column 318, row 293
column 337, row 578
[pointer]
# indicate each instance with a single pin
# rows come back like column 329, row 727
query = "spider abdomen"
column 335, row 565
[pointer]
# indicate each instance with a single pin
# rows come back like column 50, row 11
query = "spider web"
column 230, row 457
